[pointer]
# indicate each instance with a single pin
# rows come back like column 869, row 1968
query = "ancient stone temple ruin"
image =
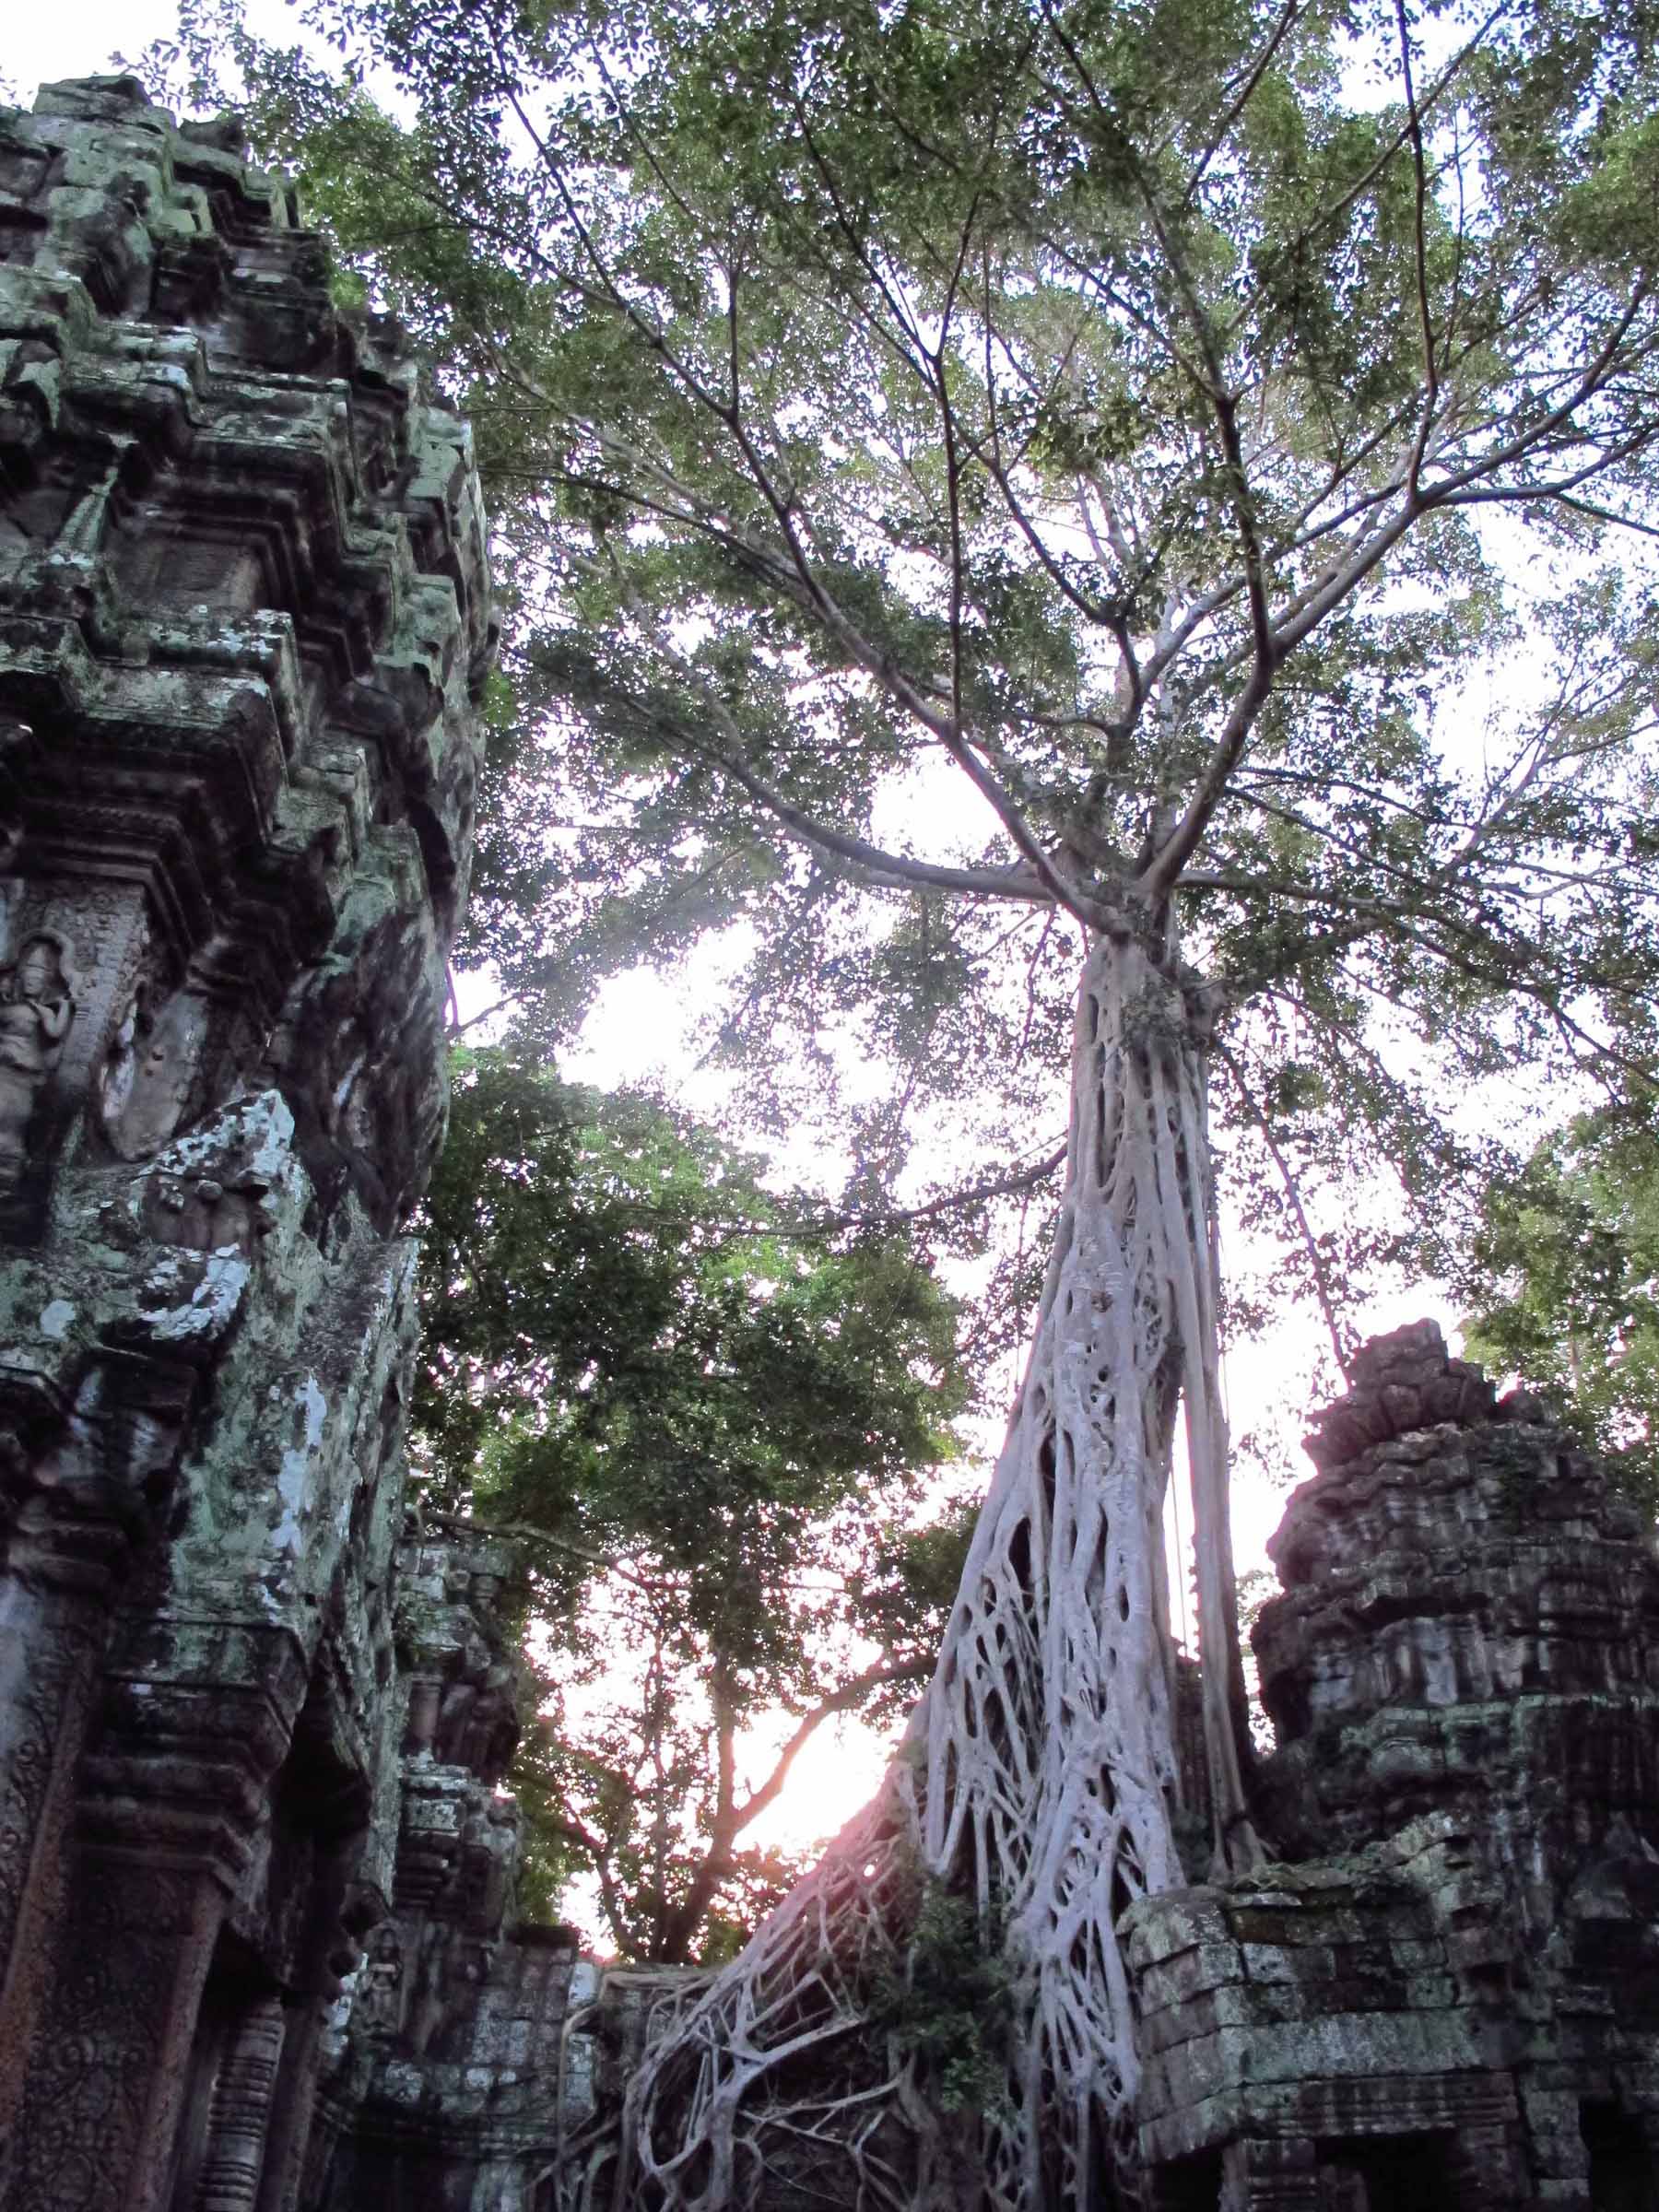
column 259, row 1949
column 246, row 1719
column 1446, row 1993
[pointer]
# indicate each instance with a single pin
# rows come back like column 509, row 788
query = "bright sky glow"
column 41, row 44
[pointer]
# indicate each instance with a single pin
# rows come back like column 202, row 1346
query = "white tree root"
column 1037, row 1777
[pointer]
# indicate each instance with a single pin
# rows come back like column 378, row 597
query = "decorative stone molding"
column 246, row 614
column 1447, row 1993
column 244, row 620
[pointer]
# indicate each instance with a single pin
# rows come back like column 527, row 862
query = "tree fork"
column 1038, row 1775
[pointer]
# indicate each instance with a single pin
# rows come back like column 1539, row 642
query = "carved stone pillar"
column 426, row 1695
column 293, row 2110
column 108, row 2081
column 242, row 2098
column 341, row 1914
column 50, row 1641
column 78, row 1507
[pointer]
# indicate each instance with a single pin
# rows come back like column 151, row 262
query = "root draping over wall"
column 1037, row 1778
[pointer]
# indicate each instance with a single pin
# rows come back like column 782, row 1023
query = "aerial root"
column 1037, row 1778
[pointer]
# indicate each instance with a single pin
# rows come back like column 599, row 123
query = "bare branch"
column 1322, row 1285
column 530, row 1532
column 1421, row 248
column 1237, row 105
column 851, row 1695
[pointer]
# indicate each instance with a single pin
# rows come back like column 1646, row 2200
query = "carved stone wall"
column 244, row 615
column 1446, row 1993
column 445, row 2065
column 259, row 1949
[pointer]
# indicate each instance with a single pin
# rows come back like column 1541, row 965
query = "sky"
column 641, row 1034
column 77, row 39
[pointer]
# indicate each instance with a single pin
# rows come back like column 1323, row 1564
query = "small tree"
column 1137, row 416
column 1563, row 1289
column 710, row 1421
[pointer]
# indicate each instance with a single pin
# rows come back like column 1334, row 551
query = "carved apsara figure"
column 379, row 1991
column 489, row 1850
column 151, row 1071
column 37, row 1005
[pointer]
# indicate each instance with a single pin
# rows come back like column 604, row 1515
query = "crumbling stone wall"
column 244, row 617
column 444, row 2080
column 469, row 2052
column 1446, row 1992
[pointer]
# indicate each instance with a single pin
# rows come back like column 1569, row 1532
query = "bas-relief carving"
column 42, row 1672
column 95, row 965
column 37, row 1005
column 476, row 1724
column 151, row 1073
column 380, row 1988
column 182, row 868
column 71, row 990
column 93, row 2076
column 69, row 1496
column 489, row 1856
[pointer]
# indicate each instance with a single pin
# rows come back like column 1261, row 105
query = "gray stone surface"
column 245, row 615
column 443, row 2061
column 1447, row 1992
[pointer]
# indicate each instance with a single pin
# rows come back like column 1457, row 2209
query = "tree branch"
column 850, row 1694
column 1293, row 1194
column 1420, row 247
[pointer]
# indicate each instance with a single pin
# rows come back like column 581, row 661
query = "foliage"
column 714, row 1422
column 629, row 1277
column 951, row 2005
column 1564, row 1289
column 1099, row 410
column 1016, row 504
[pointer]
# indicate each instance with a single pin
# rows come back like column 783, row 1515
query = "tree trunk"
column 1037, row 1777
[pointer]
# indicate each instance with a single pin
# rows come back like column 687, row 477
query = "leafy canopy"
column 1564, row 1287
column 973, row 471
column 713, row 1422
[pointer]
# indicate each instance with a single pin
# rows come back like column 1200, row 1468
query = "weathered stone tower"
column 244, row 615
column 1445, row 1996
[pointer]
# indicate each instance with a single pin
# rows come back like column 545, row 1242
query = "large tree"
column 1217, row 437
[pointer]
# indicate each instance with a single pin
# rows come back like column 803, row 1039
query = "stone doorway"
column 1622, row 2171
